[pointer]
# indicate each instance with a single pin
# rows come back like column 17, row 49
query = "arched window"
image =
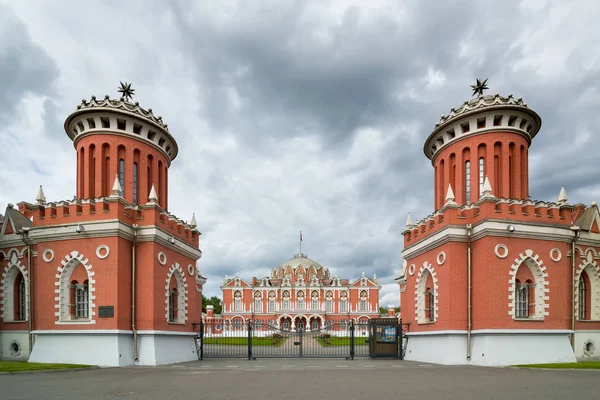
column 300, row 304
column 238, row 301
column 522, row 300
column 329, row 305
column 20, row 302
column 271, row 305
column 257, row 305
column 122, row 175
column 315, row 303
column 173, row 299
column 314, row 325
column 79, row 299
column 582, row 298
column 429, row 305
column 343, row 305
column 135, row 183
column 467, row 182
column 481, row 175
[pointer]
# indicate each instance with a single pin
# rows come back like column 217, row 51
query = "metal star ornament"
column 126, row 90
column 479, row 87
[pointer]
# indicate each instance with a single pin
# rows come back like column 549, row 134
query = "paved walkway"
column 301, row 379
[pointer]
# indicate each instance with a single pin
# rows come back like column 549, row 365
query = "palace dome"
column 300, row 261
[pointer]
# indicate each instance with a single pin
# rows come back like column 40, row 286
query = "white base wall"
column 14, row 345
column 490, row 347
column 587, row 344
column 162, row 347
column 113, row 348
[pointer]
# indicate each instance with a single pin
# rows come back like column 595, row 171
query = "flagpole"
column 300, row 243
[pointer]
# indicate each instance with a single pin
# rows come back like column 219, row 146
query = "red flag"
column 300, row 235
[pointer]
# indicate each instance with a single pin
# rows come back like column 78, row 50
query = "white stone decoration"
column 15, row 348
column 7, row 284
column 102, row 251
column 501, row 251
column 441, row 258
column 62, row 283
column 182, row 298
column 593, row 272
column 589, row 347
column 162, row 258
column 540, row 276
column 48, row 255
column 555, row 254
column 420, row 287
column 191, row 269
column 411, row 269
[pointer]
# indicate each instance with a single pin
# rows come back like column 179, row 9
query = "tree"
column 213, row 301
column 384, row 310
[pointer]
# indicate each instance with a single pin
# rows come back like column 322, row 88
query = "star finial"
column 126, row 90
column 479, row 87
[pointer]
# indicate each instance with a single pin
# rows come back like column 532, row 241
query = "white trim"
column 541, row 290
column 491, row 331
column 62, row 285
column 7, row 289
column 497, row 252
column 441, row 258
column 99, row 249
column 190, row 269
column 168, row 333
column 81, row 331
column 48, row 258
column 558, row 253
column 162, row 258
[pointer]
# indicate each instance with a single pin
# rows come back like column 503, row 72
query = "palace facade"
column 109, row 277
column 493, row 277
column 300, row 294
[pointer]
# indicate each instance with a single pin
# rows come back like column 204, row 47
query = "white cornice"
column 496, row 228
column 104, row 228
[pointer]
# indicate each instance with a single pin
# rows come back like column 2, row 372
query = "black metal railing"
column 256, row 338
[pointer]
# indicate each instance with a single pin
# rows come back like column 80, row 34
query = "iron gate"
column 264, row 339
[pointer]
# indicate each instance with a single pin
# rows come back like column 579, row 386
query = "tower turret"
column 488, row 136
column 119, row 138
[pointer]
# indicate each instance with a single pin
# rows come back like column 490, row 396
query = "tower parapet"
column 488, row 136
column 119, row 138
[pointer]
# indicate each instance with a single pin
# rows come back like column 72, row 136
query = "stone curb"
column 46, row 371
column 557, row 369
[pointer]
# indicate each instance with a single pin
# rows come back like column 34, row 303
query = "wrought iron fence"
column 257, row 338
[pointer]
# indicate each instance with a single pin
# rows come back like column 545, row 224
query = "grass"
column 18, row 366
column 243, row 341
column 575, row 365
column 341, row 341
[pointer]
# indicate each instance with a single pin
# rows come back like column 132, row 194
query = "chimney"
column 391, row 311
column 209, row 310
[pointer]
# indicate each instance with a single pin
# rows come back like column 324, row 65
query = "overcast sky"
column 298, row 115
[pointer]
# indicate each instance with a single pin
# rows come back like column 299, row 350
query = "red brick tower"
column 489, row 277
column 110, row 276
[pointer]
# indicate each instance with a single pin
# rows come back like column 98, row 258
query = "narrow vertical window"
column 481, row 175
column 135, row 183
column 363, row 305
column 343, row 305
column 429, row 305
column 582, row 298
column 315, row 303
column 522, row 300
column 172, row 305
column 271, row 305
column 257, row 307
column 107, row 184
column 467, row 182
column 329, row 305
column 122, row 175
column 81, row 300
column 21, row 300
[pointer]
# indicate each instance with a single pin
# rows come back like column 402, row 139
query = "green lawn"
column 243, row 341
column 16, row 366
column 341, row 341
column 575, row 365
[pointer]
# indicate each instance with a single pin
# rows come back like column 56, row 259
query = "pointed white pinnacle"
column 486, row 190
column 562, row 196
column 193, row 223
column 152, row 198
column 450, row 195
column 408, row 221
column 40, row 198
column 117, row 190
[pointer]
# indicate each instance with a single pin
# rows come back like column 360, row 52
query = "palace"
column 493, row 277
column 109, row 277
column 300, row 294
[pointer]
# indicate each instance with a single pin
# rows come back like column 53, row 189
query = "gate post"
column 300, row 350
column 352, row 339
column 201, row 336
column 249, row 340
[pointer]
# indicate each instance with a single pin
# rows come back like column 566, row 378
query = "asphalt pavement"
column 302, row 379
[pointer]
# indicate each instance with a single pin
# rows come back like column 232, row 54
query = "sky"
column 299, row 115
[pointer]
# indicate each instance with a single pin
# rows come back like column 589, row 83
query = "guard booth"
column 386, row 339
